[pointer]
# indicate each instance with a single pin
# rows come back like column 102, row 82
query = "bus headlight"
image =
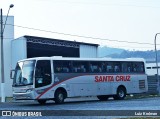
column 28, row 90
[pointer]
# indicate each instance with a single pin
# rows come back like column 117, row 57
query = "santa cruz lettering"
column 117, row 78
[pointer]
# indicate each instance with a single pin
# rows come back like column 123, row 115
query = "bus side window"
column 58, row 69
column 65, row 69
column 80, row 66
column 95, row 66
column 57, row 66
column 128, row 69
column 66, row 66
column 83, row 68
column 109, row 68
column 39, row 72
column 138, row 67
column 142, row 67
column 99, row 69
column 103, row 67
column 75, row 69
column 61, row 66
column 135, row 67
column 43, row 73
column 125, row 67
column 116, row 68
column 91, row 68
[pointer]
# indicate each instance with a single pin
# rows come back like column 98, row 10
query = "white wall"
column 88, row 51
column 8, row 36
column 153, row 70
column 19, row 50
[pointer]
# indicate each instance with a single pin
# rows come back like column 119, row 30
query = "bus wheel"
column 121, row 94
column 102, row 97
column 59, row 96
column 42, row 102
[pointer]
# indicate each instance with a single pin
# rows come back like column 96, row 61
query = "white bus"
column 57, row 78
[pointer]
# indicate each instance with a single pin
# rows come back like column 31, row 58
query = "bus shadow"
column 52, row 103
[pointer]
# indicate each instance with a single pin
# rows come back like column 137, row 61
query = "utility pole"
column 2, row 55
column 158, row 82
column 2, row 63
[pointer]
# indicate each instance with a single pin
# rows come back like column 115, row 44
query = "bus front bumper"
column 24, row 96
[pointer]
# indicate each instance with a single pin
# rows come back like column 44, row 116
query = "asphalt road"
column 85, row 107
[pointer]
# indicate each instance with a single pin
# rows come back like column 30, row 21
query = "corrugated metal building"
column 31, row 46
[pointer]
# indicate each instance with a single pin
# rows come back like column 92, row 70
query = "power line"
column 89, row 37
column 132, row 47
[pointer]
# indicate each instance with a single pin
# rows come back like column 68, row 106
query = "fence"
column 152, row 84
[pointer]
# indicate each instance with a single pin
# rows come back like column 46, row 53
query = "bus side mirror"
column 12, row 72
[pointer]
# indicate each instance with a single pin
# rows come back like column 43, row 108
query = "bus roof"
column 85, row 59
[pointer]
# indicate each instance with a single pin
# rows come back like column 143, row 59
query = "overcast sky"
column 106, row 21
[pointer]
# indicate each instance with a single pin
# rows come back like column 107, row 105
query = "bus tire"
column 121, row 93
column 59, row 97
column 42, row 102
column 102, row 97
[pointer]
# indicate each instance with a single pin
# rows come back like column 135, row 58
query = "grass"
column 141, row 118
column 139, row 96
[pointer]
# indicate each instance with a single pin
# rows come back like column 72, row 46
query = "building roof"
column 59, row 40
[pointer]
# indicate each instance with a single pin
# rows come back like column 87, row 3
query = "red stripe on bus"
column 50, row 88
column 55, row 85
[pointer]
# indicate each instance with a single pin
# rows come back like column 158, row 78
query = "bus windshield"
column 24, row 73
